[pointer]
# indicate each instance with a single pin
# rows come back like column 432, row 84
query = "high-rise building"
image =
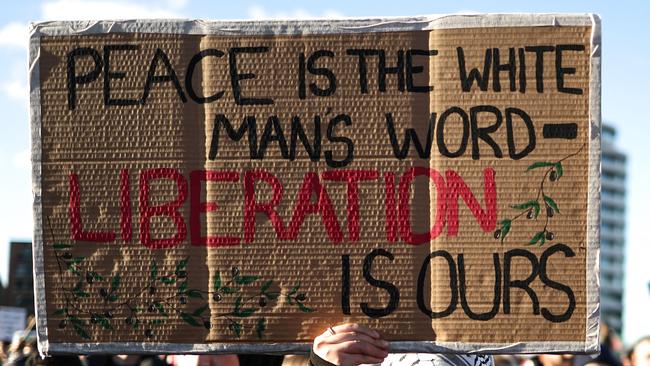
column 20, row 288
column 2, row 294
column 612, row 231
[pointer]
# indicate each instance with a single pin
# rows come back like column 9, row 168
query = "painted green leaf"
column 81, row 293
column 61, row 246
column 115, row 282
column 105, row 323
column 167, row 280
column 505, row 228
column 217, row 282
column 158, row 322
column 77, row 260
column 538, row 237
column 96, row 276
column 60, row 311
column 182, row 288
column 549, row 201
column 236, row 327
column 112, row 298
column 182, row 263
column 539, row 164
column 81, row 331
column 238, row 304
column 190, row 320
column 200, row 311
column 73, row 268
column 76, row 321
column 525, row 205
column 303, row 308
column 266, row 286
column 558, row 169
column 245, row 280
column 160, row 308
column 228, row 290
column 244, row 313
column 78, row 286
column 154, row 270
column 260, row 327
column 289, row 299
column 195, row 294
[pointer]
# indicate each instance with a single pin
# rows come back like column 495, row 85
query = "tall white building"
column 612, row 227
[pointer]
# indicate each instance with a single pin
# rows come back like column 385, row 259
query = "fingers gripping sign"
column 350, row 345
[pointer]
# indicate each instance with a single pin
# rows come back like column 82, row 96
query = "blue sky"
column 625, row 94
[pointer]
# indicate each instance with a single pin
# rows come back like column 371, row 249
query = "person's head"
column 30, row 346
column 556, row 360
column 605, row 358
column 640, row 352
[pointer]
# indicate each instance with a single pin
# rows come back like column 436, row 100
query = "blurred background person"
column 639, row 354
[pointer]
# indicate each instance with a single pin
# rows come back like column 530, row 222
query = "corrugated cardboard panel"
column 201, row 191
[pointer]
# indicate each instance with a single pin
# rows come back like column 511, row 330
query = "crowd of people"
column 346, row 344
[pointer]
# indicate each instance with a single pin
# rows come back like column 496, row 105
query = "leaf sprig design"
column 145, row 310
column 244, row 307
column 543, row 205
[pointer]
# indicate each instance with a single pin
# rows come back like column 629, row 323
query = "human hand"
column 350, row 345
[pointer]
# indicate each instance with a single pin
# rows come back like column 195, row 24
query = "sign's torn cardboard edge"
column 593, row 195
column 301, row 27
column 303, row 348
column 37, row 240
column 63, row 28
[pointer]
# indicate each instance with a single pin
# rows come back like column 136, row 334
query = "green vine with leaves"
column 144, row 310
column 531, row 209
column 244, row 306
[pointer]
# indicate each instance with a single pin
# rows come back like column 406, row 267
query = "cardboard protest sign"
column 12, row 320
column 241, row 186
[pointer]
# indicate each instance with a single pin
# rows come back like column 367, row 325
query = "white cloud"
column 257, row 12
column 14, row 34
column 14, row 86
column 109, row 9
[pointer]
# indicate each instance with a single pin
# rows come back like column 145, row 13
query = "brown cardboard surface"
column 256, row 287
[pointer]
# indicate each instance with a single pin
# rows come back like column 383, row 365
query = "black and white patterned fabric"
column 436, row 359
column 421, row 359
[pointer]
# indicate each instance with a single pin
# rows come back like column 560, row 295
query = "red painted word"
column 449, row 188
